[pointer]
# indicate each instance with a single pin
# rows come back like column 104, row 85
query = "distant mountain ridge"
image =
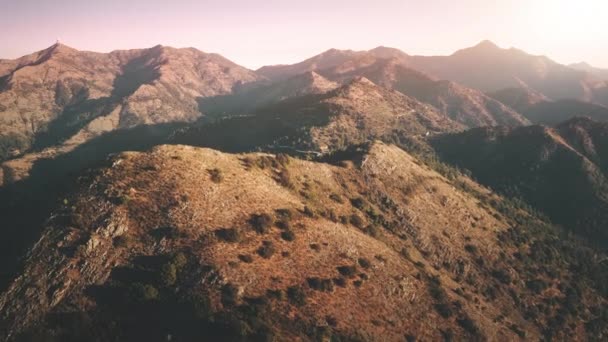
column 49, row 96
column 485, row 67
column 464, row 105
column 597, row 72
column 249, row 99
column 490, row 68
column 541, row 110
column 354, row 113
column 336, row 199
column 562, row 171
column 390, row 68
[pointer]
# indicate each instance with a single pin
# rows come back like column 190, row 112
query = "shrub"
column 288, row 235
column 248, row 163
column 358, row 202
column 517, row 330
column 282, row 159
column 309, row 212
column 444, row 310
column 372, row 230
column 448, row 335
column 502, row 275
column 320, row 284
column 284, row 225
column 336, row 198
column 229, row 294
column 340, row 282
column 436, row 291
column 168, row 274
column 261, row 223
column 331, row 321
column 365, row 263
column 276, row 294
column 267, row 250
column 284, row 178
column 180, row 260
column 315, row 247
column 228, row 234
column 285, row 214
column 143, row 292
column 536, row 285
column 470, row 248
column 331, row 214
column 264, row 162
column 124, row 199
column 246, row 258
column 347, row 271
column 121, row 241
column 201, row 306
column 296, row 295
column 216, row 175
column 165, row 232
column 356, row 221
column 467, row 324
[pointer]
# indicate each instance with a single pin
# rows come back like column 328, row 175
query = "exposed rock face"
column 50, row 96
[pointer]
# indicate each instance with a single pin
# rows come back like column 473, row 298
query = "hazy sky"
column 254, row 33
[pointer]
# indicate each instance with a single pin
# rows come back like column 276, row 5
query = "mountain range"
column 171, row 194
column 561, row 170
column 61, row 93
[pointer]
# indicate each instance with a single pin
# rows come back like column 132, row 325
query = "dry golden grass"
column 415, row 228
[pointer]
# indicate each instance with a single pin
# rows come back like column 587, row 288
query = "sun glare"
column 569, row 20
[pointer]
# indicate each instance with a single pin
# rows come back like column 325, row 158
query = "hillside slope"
column 519, row 98
column 249, row 99
column 378, row 248
column 467, row 106
column 351, row 114
column 597, row 72
column 561, row 171
column 540, row 110
column 390, row 68
column 490, row 68
column 61, row 93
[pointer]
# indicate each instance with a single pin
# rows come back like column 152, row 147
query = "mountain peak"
column 60, row 48
column 581, row 65
column 482, row 48
column 487, row 44
column 388, row 52
column 333, row 51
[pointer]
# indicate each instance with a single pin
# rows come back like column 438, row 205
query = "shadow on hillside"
column 79, row 113
column 282, row 125
column 26, row 205
column 224, row 105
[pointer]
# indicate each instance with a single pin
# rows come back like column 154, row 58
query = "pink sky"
column 255, row 33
